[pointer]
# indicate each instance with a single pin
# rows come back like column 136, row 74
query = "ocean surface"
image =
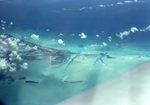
column 97, row 40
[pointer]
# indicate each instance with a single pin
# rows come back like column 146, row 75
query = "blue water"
column 46, row 14
column 49, row 18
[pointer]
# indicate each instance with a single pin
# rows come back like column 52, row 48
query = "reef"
column 14, row 51
column 32, row 82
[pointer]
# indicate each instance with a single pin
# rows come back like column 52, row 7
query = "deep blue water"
column 50, row 15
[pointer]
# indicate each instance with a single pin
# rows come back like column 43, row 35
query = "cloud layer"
column 11, row 53
column 121, row 35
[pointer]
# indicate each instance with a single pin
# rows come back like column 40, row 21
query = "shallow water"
column 120, row 32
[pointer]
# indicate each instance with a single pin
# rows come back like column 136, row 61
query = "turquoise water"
column 110, row 38
column 51, row 88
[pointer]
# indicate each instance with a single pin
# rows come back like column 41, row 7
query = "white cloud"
column 25, row 37
column 21, row 44
column 19, row 57
column 29, row 48
column 60, row 41
column 82, row 8
column 3, row 64
column 35, row 37
column 93, row 45
column 3, row 36
column 122, row 34
column 101, row 5
column 3, row 21
column 35, row 48
column 136, row 1
column 142, row 30
column 125, row 33
column 3, row 46
column 60, row 34
column 3, row 43
column 14, row 56
column 148, row 28
column 103, row 44
column 110, row 38
column 127, row 1
column 13, row 42
column 82, row 35
column 97, row 35
column 12, row 67
column 11, row 23
column 24, row 65
column 119, row 3
column 134, row 29
column 3, row 28
column 12, row 45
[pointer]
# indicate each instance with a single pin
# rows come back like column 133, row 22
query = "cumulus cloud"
column 148, row 28
column 119, row 3
column 134, row 29
column 14, row 56
column 83, row 36
column 12, row 67
column 93, row 45
column 101, row 5
column 35, row 48
column 35, row 37
column 103, row 44
column 60, row 41
column 60, row 34
column 29, row 48
column 97, row 35
column 82, row 8
column 3, row 36
column 3, row 28
column 10, row 56
column 12, row 42
column 3, row 64
column 11, row 23
column 122, row 34
column 3, row 21
column 136, row 1
column 109, row 38
column 127, row 1
column 24, row 66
